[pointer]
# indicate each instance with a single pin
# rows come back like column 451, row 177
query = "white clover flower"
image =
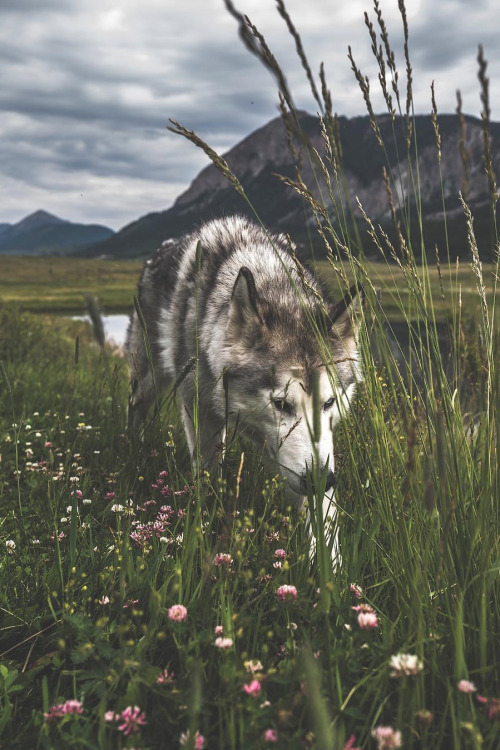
column 223, row 642
column 117, row 508
column 405, row 664
column 11, row 545
column 74, row 480
column 69, row 509
column 38, row 434
column 87, row 501
column 35, row 541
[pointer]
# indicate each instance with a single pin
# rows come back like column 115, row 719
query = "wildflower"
column 286, row 592
column 271, row 735
column 117, row 508
column 74, row 480
column 35, row 541
column 130, row 603
column 492, row 705
column 278, row 565
column 62, row 709
column 405, row 664
column 424, row 717
column 466, row 687
column 199, row 740
column 87, row 501
column 219, row 630
column 110, row 716
column 11, row 546
column 280, row 553
column 104, row 600
column 367, row 618
column 223, row 559
column 133, row 719
column 349, row 745
column 165, row 677
column 177, row 613
column 253, row 688
column 253, row 666
column 387, row 738
column 223, row 642
column 266, row 704
column 356, row 590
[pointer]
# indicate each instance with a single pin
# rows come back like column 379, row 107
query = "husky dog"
column 234, row 300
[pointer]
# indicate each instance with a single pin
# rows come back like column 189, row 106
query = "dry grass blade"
column 257, row 45
column 218, row 160
column 465, row 153
column 300, row 49
column 485, row 117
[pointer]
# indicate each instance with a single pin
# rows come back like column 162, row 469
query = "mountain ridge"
column 42, row 233
column 260, row 155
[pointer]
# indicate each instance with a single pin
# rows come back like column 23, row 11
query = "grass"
column 61, row 284
column 100, row 537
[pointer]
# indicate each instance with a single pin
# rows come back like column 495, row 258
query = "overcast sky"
column 87, row 88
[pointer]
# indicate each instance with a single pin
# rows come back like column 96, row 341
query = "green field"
column 60, row 285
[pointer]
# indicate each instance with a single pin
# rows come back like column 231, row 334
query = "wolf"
column 234, row 319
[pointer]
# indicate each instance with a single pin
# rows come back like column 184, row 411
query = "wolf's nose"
column 330, row 480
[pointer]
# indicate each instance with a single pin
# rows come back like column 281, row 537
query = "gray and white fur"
column 261, row 334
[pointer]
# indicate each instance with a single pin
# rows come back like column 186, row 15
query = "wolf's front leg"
column 328, row 519
column 206, row 446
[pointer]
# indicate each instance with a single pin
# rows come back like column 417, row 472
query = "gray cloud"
column 88, row 87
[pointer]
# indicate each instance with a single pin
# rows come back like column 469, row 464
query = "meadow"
column 61, row 284
column 143, row 605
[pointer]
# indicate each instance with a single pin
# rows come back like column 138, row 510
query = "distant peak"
column 42, row 217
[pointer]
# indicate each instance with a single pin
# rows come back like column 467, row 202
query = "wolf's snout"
column 330, row 480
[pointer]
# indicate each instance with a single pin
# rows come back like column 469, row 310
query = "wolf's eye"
column 281, row 405
column 328, row 404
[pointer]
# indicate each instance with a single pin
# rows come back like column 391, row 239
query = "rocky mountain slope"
column 261, row 155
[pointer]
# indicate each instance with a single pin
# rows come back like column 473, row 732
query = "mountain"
column 43, row 233
column 261, row 155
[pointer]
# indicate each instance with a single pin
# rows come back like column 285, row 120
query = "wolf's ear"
column 343, row 314
column 244, row 315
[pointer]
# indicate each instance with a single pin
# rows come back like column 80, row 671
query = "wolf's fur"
column 261, row 334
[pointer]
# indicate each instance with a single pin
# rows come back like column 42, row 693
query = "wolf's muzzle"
column 331, row 481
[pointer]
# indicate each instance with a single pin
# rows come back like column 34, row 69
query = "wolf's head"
column 292, row 370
